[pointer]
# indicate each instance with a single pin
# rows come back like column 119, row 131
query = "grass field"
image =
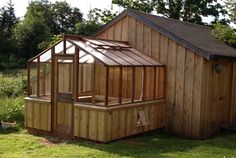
column 17, row 143
column 20, row 144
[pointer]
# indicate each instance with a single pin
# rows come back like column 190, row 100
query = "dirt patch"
column 51, row 140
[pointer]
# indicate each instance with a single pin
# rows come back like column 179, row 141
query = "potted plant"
column 7, row 120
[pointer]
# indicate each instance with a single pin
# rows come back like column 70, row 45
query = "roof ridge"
column 176, row 38
column 167, row 18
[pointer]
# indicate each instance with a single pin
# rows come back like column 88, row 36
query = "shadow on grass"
column 152, row 145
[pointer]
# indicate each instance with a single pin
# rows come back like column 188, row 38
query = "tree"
column 64, row 18
column 231, row 5
column 8, row 48
column 225, row 33
column 30, row 34
column 60, row 17
column 7, row 18
column 186, row 10
column 96, row 18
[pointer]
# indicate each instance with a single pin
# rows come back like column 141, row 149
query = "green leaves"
column 186, row 10
column 225, row 33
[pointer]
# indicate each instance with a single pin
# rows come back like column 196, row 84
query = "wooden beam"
column 52, row 87
column 64, row 45
column 38, row 77
column 133, row 84
column 93, row 83
column 76, row 75
column 165, row 82
column 144, row 84
column 106, row 84
column 120, row 86
column 28, row 78
column 155, row 83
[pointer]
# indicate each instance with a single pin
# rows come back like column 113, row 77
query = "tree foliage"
column 231, row 5
column 8, row 49
column 60, row 17
column 225, row 33
column 186, row 10
column 96, row 18
column 30, row 33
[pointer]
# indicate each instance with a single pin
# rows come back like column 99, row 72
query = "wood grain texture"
column 194, row 107
column 113, row 124
column 38, row 114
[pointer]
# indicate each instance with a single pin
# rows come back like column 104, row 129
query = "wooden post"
column 28, row 78
column 93, row 83
column 144, row 84
column 38, row 77
column 155, row 83
column 164, row 75
column 106, row 84
column 76, row 74
column 133, row 84
column 64, row 44
column 52, row 87
column 120, row 86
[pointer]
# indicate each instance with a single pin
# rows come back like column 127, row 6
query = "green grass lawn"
column 21, row 144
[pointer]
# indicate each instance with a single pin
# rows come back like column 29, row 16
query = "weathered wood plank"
column 132, row 32
column 139, row 36
column 195, row 120
column 118, row 30
column 171, row 83
column 188, row 93
column 83, row 123
column 155, row 51
column 101, row 126
column 179, row 90
column 125, row 29
column 147, row 40
column 93, row 125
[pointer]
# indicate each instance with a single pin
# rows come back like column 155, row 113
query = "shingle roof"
column 195, row 37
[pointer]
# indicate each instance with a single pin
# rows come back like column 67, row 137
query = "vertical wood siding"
column 193, row 89
column 38, row 115
column 106, row 125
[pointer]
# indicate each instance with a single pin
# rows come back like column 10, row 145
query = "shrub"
column 12, row 108
column 13, row 86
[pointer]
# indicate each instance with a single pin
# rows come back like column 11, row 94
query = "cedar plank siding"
column 198, row 98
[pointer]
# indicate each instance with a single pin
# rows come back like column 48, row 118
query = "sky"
column 84, row 5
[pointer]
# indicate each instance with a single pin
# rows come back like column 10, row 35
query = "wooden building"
column 95, row 89
column 140, row 72
column 200, row 70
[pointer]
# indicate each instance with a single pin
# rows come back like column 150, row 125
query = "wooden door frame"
column 55, row 93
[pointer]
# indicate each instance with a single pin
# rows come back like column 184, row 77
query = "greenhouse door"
column 63, row 111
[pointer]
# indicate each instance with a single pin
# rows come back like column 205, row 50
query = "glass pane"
column 126, row 84
column 59, row 47
column 138, row 87
column 85, row 83
column 65, row 77
column 71, row 50
column 33, row 79
column 149, row 83
column 99, row 84
column 113, row 85
column 46, row 56
column 45, row 80
column 160, row 83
